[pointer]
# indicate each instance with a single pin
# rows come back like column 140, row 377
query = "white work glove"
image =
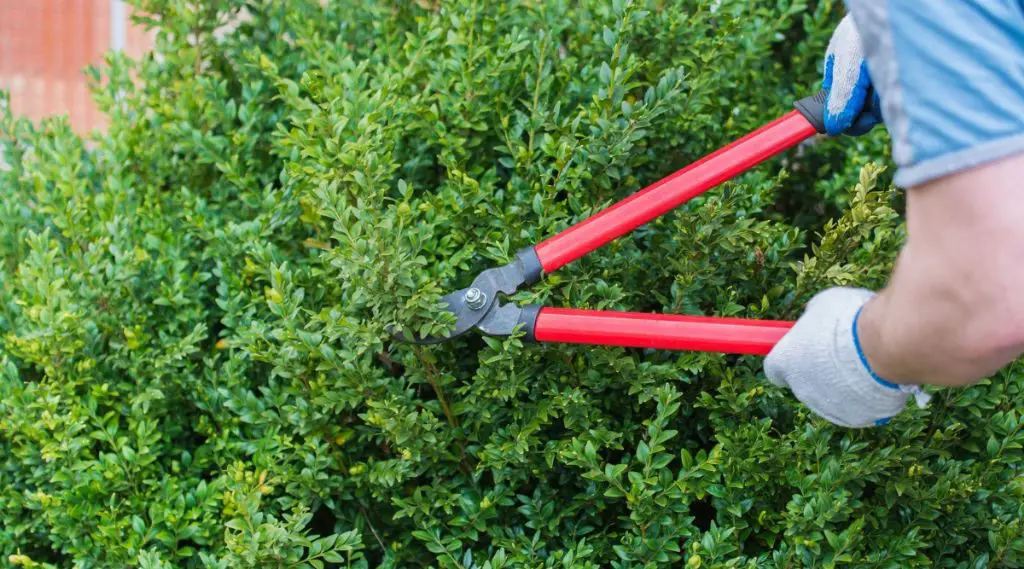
column 820, row 360
column 847, row 83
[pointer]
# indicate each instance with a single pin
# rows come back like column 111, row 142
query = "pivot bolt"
column 475, row 299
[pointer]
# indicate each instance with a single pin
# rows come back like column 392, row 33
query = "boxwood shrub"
column 195, row 364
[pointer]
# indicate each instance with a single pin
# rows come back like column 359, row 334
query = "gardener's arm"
column 950, row 79
column 953, row 311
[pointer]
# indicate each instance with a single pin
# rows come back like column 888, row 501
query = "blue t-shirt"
column 950, row 77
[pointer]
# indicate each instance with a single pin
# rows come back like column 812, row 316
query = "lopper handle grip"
column 674, row 190
column 656, row 331
column 813, row 109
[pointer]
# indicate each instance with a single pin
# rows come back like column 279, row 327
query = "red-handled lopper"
column 477, row 306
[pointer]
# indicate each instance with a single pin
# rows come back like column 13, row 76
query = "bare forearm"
column 926, row 333
column 951, row 313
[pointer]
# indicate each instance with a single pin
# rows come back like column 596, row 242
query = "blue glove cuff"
column 863, row 358
column 864, row 361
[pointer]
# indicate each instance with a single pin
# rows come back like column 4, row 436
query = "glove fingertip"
column 840, row 123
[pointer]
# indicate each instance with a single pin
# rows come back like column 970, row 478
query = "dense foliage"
column 195, row 369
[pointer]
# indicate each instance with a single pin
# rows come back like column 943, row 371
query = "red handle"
column 670, row 192
column 659, row 331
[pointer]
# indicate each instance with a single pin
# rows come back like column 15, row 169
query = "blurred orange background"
column 45, row 46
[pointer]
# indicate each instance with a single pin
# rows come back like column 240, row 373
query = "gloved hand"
column 820, row 360
column 847, row 84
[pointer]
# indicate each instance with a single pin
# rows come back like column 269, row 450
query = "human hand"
column 820, row 360
column 847, row 84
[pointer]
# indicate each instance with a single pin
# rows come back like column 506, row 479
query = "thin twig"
column 438, row 390
column 373, row 529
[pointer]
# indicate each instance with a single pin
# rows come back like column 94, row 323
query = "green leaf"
column 635, row 478
column 686, row 458
column 661, row 461
column 138, row 525
column 609, row 37
column 614, row 471
column 643, row 452
column 992, row 447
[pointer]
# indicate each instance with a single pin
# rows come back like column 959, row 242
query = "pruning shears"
column 477, row 307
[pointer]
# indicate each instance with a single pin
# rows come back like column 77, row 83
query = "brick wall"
column 45, row 46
